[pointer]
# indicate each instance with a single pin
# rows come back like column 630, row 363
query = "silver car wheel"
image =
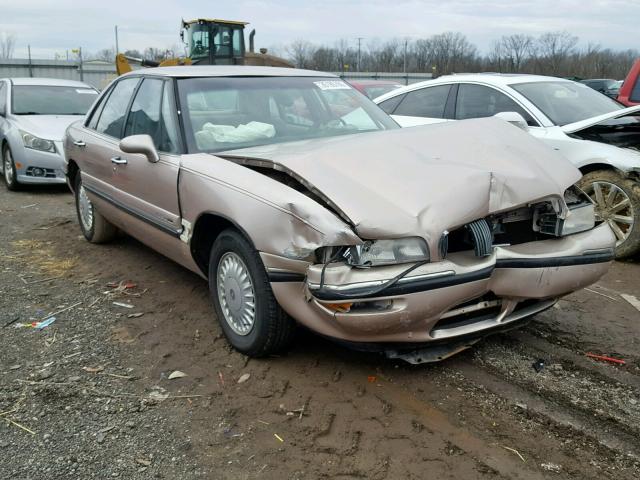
column 613, row 206
column 86, row 209
column 8, row 167
column 236, row 293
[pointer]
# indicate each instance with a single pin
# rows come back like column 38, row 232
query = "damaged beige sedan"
column 301, row 201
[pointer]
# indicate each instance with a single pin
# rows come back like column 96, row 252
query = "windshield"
column 50, row 100
column 566, row 102
column 227, row 113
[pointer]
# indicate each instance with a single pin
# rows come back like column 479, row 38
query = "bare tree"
column 7, row 45
column 105, row 55
column 300, row 52
column 516, row 48
column 554, row 48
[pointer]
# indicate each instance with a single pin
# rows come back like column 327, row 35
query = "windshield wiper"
column 28, row 113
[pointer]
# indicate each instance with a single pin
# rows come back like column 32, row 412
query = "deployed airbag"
column 212, row 135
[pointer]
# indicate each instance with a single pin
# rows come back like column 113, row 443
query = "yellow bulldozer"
column 210, row 42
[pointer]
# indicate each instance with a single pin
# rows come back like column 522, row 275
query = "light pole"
column 79, row 52
column 359, row 42
column 117, row 48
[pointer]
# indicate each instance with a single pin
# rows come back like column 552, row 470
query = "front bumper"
column 51, row 163
column 461, row 297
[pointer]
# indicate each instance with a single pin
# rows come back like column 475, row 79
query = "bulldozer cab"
column 214, row 42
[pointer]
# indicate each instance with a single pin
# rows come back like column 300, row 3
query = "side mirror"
column 514, row 118
column 142, row 144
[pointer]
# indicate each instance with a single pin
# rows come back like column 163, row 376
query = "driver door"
column 149, row 191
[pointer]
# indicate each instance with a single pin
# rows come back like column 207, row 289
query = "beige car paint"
column 391, row 184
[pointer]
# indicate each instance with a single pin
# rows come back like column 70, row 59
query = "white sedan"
column 597, row 134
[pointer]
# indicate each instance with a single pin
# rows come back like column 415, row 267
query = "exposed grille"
column 482, row 237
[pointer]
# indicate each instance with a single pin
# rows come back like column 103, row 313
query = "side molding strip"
column 135, row 213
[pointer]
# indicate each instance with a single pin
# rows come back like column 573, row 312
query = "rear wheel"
column 617, row 201
column 246, row 308
column 94, row 226
column 9, row 169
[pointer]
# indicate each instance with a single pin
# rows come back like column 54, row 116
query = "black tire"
column 630, row 246
column 272, row 329
column 99, row 229
column 9, row 174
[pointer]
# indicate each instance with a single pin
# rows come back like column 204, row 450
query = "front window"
column 566, row 102
column 51, row 100
column 227, row 113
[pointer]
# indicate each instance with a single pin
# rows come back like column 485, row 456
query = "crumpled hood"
column 49, row 127
column 590, row 122
column 422, row 180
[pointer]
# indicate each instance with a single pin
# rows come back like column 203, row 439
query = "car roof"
column 48, row 82
column 229, row 71
column 369, row 83
column 499, row 78
column 495, row 79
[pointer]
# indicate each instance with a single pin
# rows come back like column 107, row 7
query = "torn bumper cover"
column 454, row 301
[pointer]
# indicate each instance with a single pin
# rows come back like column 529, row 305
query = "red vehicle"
column 630, row 91
column 374, row 88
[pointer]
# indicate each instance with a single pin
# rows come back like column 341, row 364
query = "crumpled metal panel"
column 423, row 180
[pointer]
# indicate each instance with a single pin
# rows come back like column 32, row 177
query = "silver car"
column 34, row 114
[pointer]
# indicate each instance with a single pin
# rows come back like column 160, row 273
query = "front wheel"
column 9, row 169
column 617, row 202
column 94, row 226
column 246, row 308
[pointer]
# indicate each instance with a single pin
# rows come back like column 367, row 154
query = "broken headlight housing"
column 36, row 143
column 388, row 252
column 579, row 218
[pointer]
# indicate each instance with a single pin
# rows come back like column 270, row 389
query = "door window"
column 390, row 105
column 113, row 115
column 478, row 101
column 3, row 97
column 427, row 102
column 151, row 115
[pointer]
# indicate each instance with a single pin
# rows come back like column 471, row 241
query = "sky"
column 52, row 27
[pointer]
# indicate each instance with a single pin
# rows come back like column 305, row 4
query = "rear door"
column 149, row 191
column 93, row 144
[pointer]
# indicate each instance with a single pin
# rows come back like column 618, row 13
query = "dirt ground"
column 89, row 396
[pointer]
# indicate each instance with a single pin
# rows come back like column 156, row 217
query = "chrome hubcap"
column 8, row 167
column 236, row 294
column 85, row 208
column 613, row 206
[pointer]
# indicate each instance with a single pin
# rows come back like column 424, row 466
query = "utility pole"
column 404, row 67
column 79, row 52
column 30, row 66
column 117, row 48
column 359, row 42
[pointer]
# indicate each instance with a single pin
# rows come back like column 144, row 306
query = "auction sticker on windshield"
column 332, row 85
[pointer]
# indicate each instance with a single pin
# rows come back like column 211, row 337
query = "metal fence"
column 99, row 74
column 404, row 78
column 95, row 73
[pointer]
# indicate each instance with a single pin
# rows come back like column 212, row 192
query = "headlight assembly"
column 579, row 218
column 388, row 252
column 36, row 143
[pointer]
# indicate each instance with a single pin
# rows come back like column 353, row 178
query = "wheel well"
column 72, row 172
column 205, row 231
column 592, row 167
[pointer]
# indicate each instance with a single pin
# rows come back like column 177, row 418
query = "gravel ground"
column 90, row 395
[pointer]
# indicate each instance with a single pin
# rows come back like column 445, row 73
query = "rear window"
column 52, row 100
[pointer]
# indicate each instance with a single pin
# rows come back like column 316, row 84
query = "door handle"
column 79, row 143
column 119, row 160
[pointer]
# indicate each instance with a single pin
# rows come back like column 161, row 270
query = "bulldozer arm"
column 123, row 63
